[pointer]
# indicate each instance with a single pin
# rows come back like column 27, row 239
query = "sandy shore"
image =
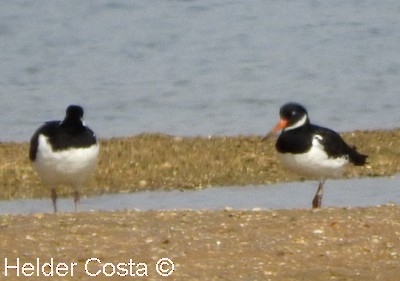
column 148, row 162
column 325, row 244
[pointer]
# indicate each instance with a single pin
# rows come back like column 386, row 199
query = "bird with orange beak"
column 310, row 150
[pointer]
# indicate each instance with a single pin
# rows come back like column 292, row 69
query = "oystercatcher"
column 311, row 150
column 64, row 152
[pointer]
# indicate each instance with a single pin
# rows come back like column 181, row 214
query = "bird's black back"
column 62, row 136
column 299, row 141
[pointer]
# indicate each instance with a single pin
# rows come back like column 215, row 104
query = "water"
column 338, row 193
column 202, row 67
column 199, row 67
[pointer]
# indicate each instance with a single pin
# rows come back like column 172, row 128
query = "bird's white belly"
column 315, row 163
column 70, row 167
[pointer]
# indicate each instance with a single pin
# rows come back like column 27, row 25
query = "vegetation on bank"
column 154, row 161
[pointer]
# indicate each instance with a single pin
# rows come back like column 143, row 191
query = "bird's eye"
column 293, row 113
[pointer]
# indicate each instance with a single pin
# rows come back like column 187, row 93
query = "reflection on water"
column 338, row 193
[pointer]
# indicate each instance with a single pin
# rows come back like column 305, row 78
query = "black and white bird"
column 64, row 152
column 310, row 150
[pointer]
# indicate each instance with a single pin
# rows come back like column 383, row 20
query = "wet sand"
column 299, row 244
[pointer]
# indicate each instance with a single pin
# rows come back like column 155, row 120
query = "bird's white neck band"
column 298, row 124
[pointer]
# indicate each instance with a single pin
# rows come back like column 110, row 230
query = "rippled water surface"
column 202, row 67
column 198, row 67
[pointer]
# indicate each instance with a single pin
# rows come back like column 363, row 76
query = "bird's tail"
column 356, row 158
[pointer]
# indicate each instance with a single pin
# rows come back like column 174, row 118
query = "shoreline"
column 161, row 162
column 289, row 244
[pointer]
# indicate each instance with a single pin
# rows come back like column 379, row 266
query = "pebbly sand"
column 302, row 244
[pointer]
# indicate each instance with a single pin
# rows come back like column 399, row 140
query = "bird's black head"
column 74, row 115
column 74, row 111
column 294, row 114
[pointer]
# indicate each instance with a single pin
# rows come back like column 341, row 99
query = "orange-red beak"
column 281, row 125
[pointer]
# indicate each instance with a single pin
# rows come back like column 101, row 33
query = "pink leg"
column 76, row 200
column 316, row 203
column 54, row 199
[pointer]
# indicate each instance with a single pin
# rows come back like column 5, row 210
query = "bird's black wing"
column 335, row 146
column 46, row 129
